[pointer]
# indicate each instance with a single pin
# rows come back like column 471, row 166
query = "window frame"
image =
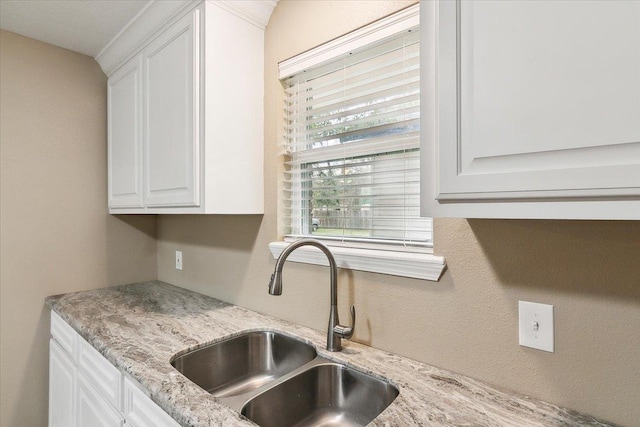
column 407, row 261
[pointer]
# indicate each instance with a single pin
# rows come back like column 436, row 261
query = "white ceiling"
column 84, row 26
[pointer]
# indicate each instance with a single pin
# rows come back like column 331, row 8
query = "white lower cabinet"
column 93, row 409
column 141, row 411
column 101, row 374
column 62, row 383
column 86, row 390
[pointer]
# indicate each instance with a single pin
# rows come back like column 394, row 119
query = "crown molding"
column 256, row 12
column 138, row 31
column 157, row 13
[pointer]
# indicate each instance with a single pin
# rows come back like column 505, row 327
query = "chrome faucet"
column 335, row 331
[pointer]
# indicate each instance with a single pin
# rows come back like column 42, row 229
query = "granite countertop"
column 140, row 327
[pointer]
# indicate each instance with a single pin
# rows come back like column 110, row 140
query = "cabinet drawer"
column 63, row 334
column 100, row 372
column 140, row 411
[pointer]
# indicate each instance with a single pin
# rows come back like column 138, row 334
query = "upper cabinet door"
column 531, row 109
column 172, row 115
column 124, row 100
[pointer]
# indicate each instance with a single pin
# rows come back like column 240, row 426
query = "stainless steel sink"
column 276, row 380
column 325, row 395
column 244, row 363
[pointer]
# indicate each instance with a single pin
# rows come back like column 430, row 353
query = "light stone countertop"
column 140, row 327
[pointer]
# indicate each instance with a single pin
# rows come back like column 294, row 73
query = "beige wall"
column 57, row 237
column 466, row 322
column 56, row 234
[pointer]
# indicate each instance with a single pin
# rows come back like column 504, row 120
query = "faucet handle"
column 345, row 331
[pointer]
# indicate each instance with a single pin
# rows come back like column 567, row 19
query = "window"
column 352, row 126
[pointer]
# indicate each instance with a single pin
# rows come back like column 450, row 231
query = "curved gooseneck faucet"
column 335, row 331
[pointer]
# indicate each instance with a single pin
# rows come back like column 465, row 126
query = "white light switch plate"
column 178, row 260
column 536, row 325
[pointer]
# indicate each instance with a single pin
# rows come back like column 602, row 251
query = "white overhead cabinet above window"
column 186, row 110
column 531, row 109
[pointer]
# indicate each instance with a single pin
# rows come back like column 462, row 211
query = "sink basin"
column 276, row 380
column 243, row 363
column 325, row 395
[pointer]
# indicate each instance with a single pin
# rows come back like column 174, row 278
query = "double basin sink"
column 276, row 380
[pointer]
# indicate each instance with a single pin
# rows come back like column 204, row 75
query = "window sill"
column 405, row 264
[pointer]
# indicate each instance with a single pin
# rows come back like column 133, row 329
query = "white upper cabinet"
column 124, row 99
column 531, row 109
column 186, row 87
column 171, row 115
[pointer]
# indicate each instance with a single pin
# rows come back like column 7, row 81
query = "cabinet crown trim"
column 157, row 13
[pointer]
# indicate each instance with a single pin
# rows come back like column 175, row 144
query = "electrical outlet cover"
column 536, row 325
column 178, row 260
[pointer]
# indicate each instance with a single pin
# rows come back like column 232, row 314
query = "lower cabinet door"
column 92, row 409
column 141, row 411
column 62, row 383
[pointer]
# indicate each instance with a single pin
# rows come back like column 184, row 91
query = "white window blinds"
column 352, row 143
